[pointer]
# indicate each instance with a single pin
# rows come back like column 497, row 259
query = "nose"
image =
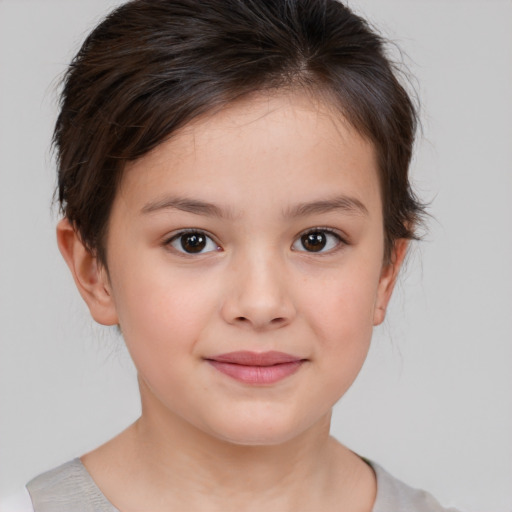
column 258, row 297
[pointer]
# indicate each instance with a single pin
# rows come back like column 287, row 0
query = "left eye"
column 317, row 240
column 193, row 242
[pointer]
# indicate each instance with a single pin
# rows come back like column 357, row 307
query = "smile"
column 257, row 368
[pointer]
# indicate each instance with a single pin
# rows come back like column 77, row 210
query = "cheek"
column 162, row 314
column 344, row 304
column 341, row 316
column 347, row 325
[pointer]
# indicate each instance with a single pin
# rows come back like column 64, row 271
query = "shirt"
column 71, row 488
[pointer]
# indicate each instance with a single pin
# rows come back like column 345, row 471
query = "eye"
column 192, row 242
column 318, row 240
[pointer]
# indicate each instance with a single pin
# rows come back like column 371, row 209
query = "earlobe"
column 89, row 275
column 388, row 279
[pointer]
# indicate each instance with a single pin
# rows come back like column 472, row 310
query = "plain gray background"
column 433, row 402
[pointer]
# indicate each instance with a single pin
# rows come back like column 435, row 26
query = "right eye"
column 192, row 242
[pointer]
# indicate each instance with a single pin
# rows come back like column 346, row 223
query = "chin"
column 258, row 431
column 258, row 438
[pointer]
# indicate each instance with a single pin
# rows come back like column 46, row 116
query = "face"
column 246, row 270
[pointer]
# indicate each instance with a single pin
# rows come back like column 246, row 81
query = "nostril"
column 274, row 321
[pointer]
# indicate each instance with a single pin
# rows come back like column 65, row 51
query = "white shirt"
column 20, row 502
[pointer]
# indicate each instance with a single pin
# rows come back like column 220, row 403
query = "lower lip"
column 257, row 374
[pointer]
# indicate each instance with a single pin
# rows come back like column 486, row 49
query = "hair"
column 152, row 66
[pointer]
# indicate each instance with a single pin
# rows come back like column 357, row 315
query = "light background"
column 433, row 402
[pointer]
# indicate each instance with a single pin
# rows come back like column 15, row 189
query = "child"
column 233, row 178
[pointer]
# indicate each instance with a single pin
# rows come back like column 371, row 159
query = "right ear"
column 90, row 276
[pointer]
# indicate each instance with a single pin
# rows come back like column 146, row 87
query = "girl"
column 233, row 178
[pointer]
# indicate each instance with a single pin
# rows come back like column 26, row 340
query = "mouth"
column 257, row 367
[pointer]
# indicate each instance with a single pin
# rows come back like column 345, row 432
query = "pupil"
column 193, row 242
column 314, row 241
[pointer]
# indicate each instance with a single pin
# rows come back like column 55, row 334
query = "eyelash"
column 340, row 241
column 177, row 236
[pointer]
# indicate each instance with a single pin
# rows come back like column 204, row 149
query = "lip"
column 256, row 367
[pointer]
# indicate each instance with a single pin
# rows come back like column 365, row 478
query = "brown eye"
column 193, row 242
column 317, row 240
column 314, row 242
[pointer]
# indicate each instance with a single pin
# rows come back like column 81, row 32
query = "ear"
column 90, row 276
column 388, row 279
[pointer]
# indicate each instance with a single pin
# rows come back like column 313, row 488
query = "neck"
column 187, row 456
column 161, row 455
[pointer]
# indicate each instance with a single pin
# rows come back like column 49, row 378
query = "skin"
column 204, row 440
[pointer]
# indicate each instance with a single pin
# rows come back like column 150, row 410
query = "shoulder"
column 392, row 494
column 20, row 502
column 67, row 487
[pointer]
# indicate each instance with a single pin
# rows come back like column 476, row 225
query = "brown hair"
column 154, row 65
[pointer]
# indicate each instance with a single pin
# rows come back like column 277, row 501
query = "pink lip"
column 257, row 368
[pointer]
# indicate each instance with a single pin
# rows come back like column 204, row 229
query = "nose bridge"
column 258, row 294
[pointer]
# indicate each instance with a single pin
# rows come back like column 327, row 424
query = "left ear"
column 388, row 279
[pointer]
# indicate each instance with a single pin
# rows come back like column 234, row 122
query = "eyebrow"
column 188, row 205
column 346, row 204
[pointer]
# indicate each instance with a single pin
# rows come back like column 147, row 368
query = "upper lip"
column 247, row 358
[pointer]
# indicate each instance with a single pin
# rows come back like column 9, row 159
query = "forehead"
column 256, row 147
